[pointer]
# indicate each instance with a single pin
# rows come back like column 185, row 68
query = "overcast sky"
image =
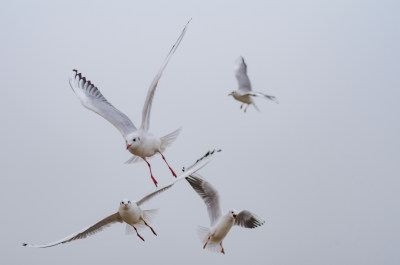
column 321, row 167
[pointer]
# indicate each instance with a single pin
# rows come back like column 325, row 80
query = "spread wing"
column 200, row 163
column 91, row 98
column 99, row 226
column 241, row 75
column 209, row 195
column 259, row 94
column 152, row 89
column 248, row 220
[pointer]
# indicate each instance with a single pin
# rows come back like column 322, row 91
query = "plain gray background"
column 321, row 167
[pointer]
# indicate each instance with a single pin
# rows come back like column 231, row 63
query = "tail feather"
column 255, row 106
column 168, row 139
column 203, row 233
column 133, row 159
column 148, row 215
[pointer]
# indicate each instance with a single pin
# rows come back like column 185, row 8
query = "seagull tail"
column 133, row 159
column 255, row 106
column 168, row 139
column 203, row 234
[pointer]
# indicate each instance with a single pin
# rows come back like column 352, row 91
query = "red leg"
column 151, row 174
column 222, row 248
column 138, row 233
column 206, row 242
column 152, row 230
column 173, row 173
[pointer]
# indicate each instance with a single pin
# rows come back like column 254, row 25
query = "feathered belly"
column 244, row 98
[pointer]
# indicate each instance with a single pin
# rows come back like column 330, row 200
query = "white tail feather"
column 203, row 233
column 148, row 215
column 168, row 139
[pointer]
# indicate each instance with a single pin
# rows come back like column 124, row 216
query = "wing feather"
column 248, row 220
column 152, row 89
column 241, row 75
column 92, row 99
column 88, row 231
column 209, row 195
column 200, row 163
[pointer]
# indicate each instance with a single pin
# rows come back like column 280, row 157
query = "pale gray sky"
column 322, row 167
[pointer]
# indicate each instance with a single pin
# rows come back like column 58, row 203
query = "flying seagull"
column 139, row 142
column 211, row 238
column 244, row 93
column 129, row 212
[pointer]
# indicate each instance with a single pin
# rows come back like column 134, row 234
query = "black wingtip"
column 24, row 244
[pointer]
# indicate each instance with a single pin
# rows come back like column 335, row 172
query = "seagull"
column 211, row 238
column 139, row 142
column 244, row 93
column 129, row 212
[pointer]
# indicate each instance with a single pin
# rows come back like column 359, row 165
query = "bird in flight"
column 211, row 238
column 139, row 142
column 129, row 212
column 244, row 93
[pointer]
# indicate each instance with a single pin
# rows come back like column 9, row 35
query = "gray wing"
column 209, row 195
column 91, row 98
column 259, row 94
column 241, row 75
column 200, row 163
column 248, row 220
column 152, row 89
column 99, row 226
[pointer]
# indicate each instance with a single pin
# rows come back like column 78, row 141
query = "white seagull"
column 220, row 224
column 139, row 142
column 130, row 212
column 244, row 93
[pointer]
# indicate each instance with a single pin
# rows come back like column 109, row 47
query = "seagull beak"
column 128, row 146
column 235, row 217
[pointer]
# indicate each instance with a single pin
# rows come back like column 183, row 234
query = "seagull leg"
column 151, row 174
column 246, row 107
column 222, row 248
column 206, row 243
column 172, row 171
column 138, row 233
column 152, row 230
column 241, row 106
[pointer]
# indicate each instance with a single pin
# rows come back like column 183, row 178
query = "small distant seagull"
column 244, row 92
column 130, row 212
column 139, row 142
column 220, row 224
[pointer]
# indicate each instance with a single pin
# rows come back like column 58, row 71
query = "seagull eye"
column 134, row 139
column 129, row 201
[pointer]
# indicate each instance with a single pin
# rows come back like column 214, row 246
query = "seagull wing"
column 152, row 89
column 241, row 75
column 91, row 98
column 209, row 195
column 200, row 163
column 248, row 220
column 114, row 218
column 259, row 94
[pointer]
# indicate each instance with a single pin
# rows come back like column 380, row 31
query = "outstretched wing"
column 200, row 163
column 91, row 98
column 152, row 89
column 209, row 195
column 248, row 220
column 259, row 94
column 83, row 233
column 241, row 74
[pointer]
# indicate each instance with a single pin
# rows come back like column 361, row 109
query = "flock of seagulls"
column 143, row 145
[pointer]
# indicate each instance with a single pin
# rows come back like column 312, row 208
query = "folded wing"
column 99, row 226
column 91, row 98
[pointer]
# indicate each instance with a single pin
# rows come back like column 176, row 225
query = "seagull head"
column 232, row 93
column 132, row 140
column 125, row 204
column 233, row 214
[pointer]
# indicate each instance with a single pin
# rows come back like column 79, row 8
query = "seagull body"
column 129, row 212
column 212, row 238
column 139, row 142
column 244, row 93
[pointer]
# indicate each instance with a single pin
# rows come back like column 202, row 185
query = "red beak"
column 127, row 146
column 235, row 217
